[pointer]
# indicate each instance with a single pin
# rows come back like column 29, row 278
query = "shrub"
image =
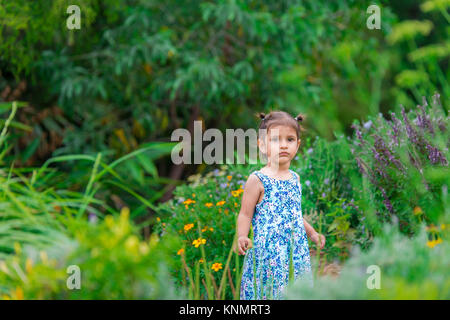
column 410, row 268
column 404, row 163
column 114, row 263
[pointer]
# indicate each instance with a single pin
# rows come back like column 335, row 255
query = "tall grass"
column 33, row 212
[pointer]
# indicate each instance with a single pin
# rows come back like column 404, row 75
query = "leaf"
column 135, row 171
column 30, row 149
column 147, row 164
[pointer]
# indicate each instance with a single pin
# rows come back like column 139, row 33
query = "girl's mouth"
column 284, row 154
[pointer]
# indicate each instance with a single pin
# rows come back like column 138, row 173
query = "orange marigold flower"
column 188, row 226
column 209, row 204
column 180, row 252
column 188, row 201
column 417, row 210
column 198, row 242
column 229, row 178
column 216, row 266
column 237, row 193
column 220, row 203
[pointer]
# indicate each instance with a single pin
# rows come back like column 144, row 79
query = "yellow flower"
column 201, row 260
column 229, row 178
column 442, row 226
column 4, row 267
column 209, row 204
column 216, row 266
column 220, row 203
column 188, row 202
column 211, row 229
column 19, row 293
column 237, row 193
column 198, row 242
column 158, row 219
column 417, row 210
column 28, row 265
column 188, row 226
column 180, row 252
column 433, row 243
column 193, row 195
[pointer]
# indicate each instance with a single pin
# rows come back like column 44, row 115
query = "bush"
column 404, row 163
column 203, row 215
column 410, row 268
column 114, row 264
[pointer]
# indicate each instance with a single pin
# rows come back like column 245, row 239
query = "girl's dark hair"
column 281, row 118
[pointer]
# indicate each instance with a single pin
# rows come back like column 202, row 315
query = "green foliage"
column 410, row 268
column 404, row 162
column 114, row 263
column 206, row 209
column 330, row 200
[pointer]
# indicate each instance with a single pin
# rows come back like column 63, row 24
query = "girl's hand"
column 244, row 243
column 318, row 239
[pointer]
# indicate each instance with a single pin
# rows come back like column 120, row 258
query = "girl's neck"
column 279, row 170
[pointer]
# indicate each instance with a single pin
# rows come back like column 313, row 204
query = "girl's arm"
column 252, row 191
column 319, row 239
column 249, row 199
column 309, row 229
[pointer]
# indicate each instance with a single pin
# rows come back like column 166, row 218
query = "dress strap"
column 261, row 177
column 297, row 179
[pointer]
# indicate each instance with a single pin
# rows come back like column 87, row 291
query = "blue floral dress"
column 278, row 235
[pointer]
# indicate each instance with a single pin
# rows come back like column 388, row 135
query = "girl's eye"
column 290, row 139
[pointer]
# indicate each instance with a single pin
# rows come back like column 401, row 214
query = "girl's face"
column 282, row 144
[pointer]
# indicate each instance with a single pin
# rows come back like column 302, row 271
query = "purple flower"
column 92, row 218
column 326, row 181
column 386, row 201
column 308, row 183
column 358, row 134
column 360, row 166
column 310, row 150
column 412, row 134
column 368, row 124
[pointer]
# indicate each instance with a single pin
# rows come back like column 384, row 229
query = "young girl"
column 272, row 204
